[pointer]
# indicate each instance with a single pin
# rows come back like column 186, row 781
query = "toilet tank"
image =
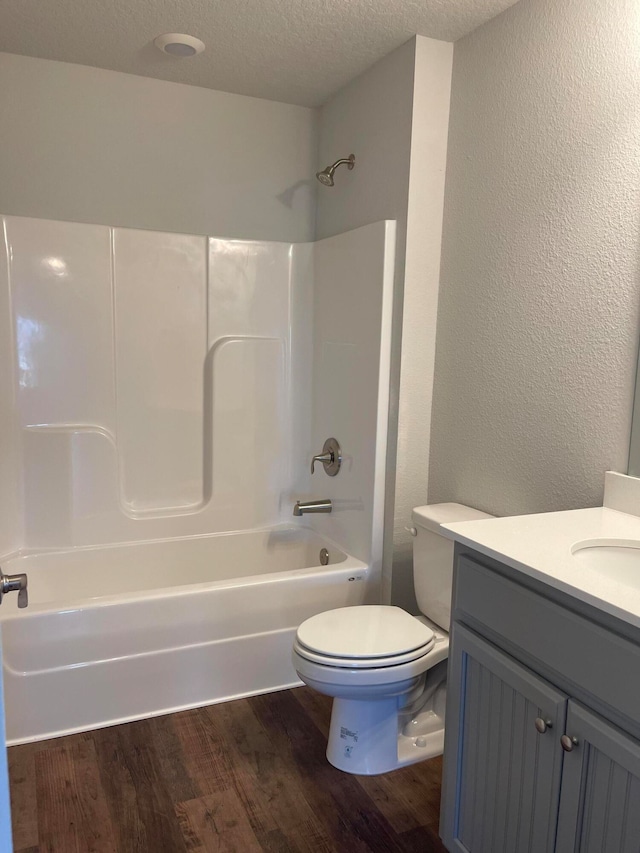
column 433, row 557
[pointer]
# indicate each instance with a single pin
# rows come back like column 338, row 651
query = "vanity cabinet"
column 519, row 682
column 600, row 794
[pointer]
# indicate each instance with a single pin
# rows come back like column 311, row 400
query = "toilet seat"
column 362, row 663
column 370, row 680
column 363, row 637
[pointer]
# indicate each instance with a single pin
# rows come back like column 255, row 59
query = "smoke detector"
column 179, row 44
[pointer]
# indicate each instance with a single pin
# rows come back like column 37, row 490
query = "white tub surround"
column 547, row 546
column 353, row 291
column 169, row 385
column 163, row 395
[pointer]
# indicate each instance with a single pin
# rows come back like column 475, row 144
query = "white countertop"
column 540, row 546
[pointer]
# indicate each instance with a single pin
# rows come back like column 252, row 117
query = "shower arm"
column 348, row 160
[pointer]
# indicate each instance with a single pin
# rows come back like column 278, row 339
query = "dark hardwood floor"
column 242, row 776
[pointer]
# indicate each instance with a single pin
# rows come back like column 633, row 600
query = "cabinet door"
column 600, row 800
column 502, row 776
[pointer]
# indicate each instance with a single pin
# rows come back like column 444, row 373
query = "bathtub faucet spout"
column 302, row 507
column 14, row 583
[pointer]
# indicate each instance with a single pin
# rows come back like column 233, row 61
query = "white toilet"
column 386, row 669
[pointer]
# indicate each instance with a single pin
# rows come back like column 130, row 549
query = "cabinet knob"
column 543, row 725
column 567, row 743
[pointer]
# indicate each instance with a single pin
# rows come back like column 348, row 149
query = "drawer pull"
column 543, row 725
column 567, row 743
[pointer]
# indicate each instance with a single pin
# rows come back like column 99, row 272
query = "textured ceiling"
column 296, row 51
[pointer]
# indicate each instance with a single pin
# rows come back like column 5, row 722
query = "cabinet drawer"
column 584, row 655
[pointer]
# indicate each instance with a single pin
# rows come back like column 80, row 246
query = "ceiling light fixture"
column 179, row 44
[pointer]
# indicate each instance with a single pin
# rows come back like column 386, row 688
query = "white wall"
column 539, row 298
column 88, row 145
column 394, row 119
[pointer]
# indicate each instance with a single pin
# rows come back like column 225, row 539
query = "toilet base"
column 364, row 737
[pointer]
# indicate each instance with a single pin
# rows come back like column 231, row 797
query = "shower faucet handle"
column 325, row 458
column 14, row 583
column 331, row 457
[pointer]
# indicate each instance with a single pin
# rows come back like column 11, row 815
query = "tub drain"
column 324, row 557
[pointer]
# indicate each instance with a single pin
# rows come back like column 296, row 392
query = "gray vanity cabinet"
column 509, row 762
column 600, row 799
column 516, row 672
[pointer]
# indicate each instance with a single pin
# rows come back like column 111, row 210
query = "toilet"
column 387, row 669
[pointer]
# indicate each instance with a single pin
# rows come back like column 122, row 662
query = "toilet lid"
column 364, row 632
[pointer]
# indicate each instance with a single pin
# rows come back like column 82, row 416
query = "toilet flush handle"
column 412, row 531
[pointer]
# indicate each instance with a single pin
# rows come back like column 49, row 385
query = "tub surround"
column 540, row 546
column 164, row 395
column 207, row 421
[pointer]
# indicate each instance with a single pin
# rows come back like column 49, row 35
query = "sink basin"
column 616, row 559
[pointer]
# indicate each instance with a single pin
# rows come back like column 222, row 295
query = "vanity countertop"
column 540, row 546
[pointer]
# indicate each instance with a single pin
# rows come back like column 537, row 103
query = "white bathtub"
column 129, row 631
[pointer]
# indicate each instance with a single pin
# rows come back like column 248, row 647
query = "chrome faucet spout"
column 302, row 507
column 14, row 583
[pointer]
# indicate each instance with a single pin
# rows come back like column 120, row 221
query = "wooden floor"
column 242, row 776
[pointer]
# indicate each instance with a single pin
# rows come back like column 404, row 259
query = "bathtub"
column 124, row 632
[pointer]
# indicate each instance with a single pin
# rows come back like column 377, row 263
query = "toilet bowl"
column 384, row 668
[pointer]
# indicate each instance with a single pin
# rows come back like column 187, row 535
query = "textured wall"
column 88, row 145
column 540, row 285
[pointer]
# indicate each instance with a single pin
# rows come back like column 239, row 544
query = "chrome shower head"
column 326, row 175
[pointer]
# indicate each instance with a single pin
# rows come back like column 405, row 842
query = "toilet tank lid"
column 432, row 516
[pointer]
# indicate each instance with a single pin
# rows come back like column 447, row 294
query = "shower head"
column 326, row 175
column 325, row 178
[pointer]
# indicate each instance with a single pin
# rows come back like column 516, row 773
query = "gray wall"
column 540, row 285
column 89, row 145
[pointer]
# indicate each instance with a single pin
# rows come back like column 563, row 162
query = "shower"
column 326, row 175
